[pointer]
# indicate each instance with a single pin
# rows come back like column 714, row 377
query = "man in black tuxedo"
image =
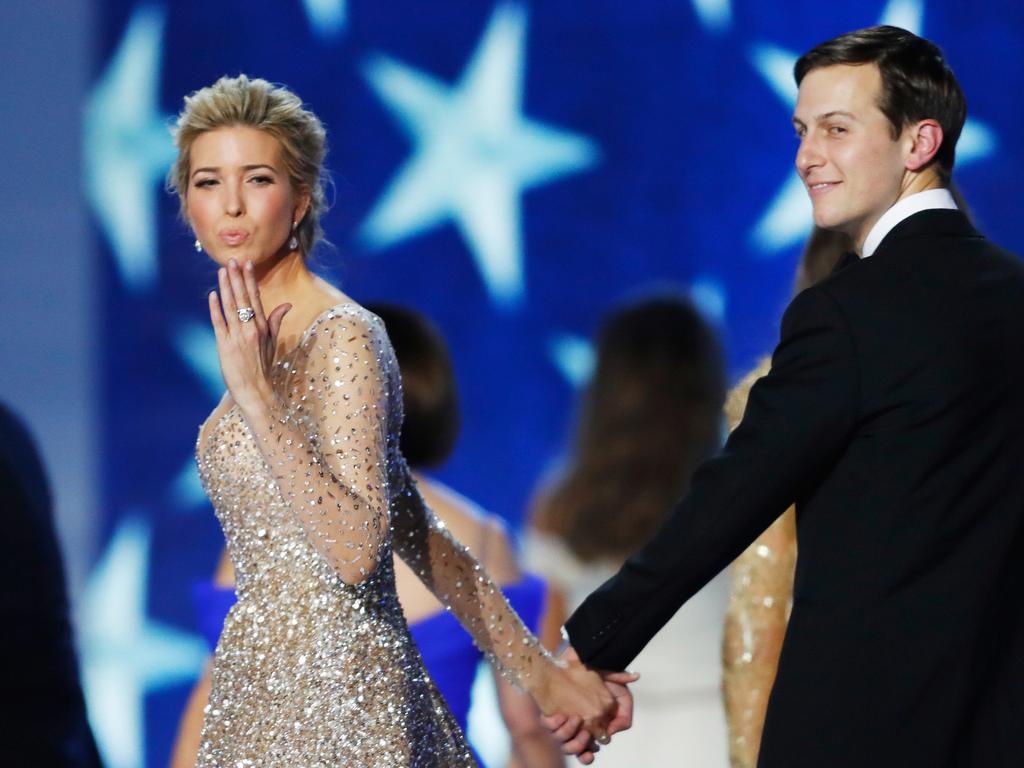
column 45, row 725
column 893, row 416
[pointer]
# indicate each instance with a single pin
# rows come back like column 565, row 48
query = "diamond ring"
column 245, row 314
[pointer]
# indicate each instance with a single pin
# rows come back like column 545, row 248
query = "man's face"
column 848, row 159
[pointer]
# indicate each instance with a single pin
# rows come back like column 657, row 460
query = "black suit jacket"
column 45, row 725
column 893, row 416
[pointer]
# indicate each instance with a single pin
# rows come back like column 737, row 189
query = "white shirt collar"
column 903, row 209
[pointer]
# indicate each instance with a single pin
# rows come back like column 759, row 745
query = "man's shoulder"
column 938, row 232
column 918, row 284
column 925, row 251
column 814, row 308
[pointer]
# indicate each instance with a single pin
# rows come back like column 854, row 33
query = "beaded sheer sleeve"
column 326, row 444
column 460, row 583
column 333, row 450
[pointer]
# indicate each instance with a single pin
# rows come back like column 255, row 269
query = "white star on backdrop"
column 475, row 153
column 128, row 149
column 327, row 17
column 715, row 15
column 709, row 295
column 788, row 219
column 124, row 654
column 908, row 14
column 197, row 346
column 573, row 356
column 186, row 491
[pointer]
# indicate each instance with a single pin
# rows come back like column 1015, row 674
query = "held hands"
column 597, row 713
column 245, row 348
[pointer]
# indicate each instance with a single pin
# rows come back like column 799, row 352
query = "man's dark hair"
column 430, row 395
column 917, row 84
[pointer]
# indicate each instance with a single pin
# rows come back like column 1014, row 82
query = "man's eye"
column 835, row 130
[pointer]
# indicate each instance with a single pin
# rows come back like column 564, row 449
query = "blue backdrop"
column 510, row 168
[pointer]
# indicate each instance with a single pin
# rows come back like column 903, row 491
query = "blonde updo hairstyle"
column 256, row 103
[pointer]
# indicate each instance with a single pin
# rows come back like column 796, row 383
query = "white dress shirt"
column 902, row 209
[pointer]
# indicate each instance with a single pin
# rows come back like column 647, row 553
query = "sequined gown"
column 312, row 669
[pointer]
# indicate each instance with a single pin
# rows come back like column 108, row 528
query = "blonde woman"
column 315, row 664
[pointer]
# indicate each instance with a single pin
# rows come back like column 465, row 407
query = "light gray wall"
column 48, row 341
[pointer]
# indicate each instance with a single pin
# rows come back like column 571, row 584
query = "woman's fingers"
column 216, row 316
column 253, row 290
column 274, row 322
column 553, row 722
column 227, row 300
column 568, row 729
column 579, row 743
column 238, row 289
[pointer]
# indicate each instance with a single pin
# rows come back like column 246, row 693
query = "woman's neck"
column 289, row 281
column 281, row 279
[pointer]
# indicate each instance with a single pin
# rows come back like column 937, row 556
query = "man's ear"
column 925, row 140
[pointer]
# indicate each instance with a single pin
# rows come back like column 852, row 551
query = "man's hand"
column 567, row 686
column 569, row 730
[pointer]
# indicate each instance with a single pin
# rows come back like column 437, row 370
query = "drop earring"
column 199, row 246
column 293, row 244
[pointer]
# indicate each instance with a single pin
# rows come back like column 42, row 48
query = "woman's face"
column 240, row 201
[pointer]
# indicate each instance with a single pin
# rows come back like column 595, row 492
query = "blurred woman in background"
column 650, row 415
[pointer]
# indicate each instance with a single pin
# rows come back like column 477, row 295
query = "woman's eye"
column 206, row 182
column 261, row 180
column 835, row 130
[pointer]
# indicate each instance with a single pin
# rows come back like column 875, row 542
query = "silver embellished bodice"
column 315, row 665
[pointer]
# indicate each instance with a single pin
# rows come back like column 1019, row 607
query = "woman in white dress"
column 650, row 415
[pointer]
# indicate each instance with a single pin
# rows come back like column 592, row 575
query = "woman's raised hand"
column 245, row 346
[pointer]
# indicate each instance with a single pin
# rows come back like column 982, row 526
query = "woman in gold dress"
column 761, row 593
column 315, row 665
